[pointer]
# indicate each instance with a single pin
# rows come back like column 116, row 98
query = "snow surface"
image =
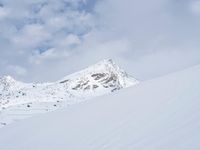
column 161, row 114
column 22, row 100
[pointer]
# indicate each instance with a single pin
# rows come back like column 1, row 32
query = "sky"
column 45, row 40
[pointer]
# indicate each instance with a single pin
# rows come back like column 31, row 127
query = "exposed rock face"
column 103, row 75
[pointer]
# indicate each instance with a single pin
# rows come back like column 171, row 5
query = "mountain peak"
column 7, row 80
column 102, row 78
column 106, row 62
column 105, row 75
column 110, row 66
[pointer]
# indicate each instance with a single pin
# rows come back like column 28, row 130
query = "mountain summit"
column 102, row 78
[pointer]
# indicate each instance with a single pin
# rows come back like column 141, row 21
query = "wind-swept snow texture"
column 21, row 100
column 161, row 114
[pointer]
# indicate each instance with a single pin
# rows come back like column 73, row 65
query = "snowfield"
column 20, row 100
column 161, row 114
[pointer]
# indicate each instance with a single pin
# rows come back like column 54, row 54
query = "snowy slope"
column 21, row 100
column 161, row 114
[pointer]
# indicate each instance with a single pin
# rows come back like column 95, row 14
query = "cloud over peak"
column 38, row 35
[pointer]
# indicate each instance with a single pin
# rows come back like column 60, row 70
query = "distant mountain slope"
column 20, row 100
column 161, row 114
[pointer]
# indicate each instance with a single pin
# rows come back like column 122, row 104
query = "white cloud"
column 31, row 36
column 195, row 7
column 3, row 13
column 57, row 22
column 58, row 38
column 17, row 70
column 51, row 54
column 70, row 40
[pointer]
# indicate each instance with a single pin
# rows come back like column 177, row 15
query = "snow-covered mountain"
column 19, row 100
column 160, row 114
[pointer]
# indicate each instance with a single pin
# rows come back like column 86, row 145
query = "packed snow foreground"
column 160, row 114
column 21, row 100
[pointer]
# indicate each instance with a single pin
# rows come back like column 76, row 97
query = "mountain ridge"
column 161, row 113
column 101, row 78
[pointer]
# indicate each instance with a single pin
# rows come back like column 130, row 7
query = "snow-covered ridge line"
column 102, row 78
column 160, row 114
